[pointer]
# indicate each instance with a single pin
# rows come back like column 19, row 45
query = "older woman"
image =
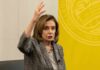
column 41, row 51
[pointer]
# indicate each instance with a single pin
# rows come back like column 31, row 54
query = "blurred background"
column 80, row 33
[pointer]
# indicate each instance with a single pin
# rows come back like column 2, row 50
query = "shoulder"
column 60, row 49
column 59, row 46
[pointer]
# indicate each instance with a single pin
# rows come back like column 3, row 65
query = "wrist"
column 34, row 19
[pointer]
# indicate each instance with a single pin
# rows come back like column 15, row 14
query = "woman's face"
column 49, row 30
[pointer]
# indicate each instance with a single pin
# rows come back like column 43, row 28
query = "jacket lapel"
column 45, row 55
column 56, row 52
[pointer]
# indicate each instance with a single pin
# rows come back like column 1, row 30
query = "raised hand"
column 39, row 10
column 37, row 13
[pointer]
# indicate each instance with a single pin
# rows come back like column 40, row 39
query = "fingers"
column 39, row 9
column 40, row 6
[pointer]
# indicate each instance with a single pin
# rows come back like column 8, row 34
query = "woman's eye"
column 46, row 28
column 53, row 28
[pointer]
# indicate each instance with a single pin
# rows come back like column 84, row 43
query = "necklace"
column 49, row 49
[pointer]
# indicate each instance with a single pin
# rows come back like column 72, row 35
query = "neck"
column 47, row 43
column 48, row 46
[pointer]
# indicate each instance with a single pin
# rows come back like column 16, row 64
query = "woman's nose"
column 50, row 30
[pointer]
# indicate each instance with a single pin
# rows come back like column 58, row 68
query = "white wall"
column 14, row 15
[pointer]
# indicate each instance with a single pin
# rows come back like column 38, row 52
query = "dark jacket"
column 35, row 55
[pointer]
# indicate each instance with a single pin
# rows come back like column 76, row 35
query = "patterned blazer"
column 35, row 55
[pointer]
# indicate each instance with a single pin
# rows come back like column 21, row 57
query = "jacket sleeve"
column 25, row 44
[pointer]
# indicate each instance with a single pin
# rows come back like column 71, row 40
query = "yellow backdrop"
column 80, row 33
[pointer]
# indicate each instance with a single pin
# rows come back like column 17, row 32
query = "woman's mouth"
column 49, row 37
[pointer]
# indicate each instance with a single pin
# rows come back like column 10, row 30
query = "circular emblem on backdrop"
column 81, row 19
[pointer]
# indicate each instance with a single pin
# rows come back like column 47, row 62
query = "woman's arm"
column 38, row 11
column 25, row 44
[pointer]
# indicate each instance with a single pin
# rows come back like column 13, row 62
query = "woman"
column 41, row 51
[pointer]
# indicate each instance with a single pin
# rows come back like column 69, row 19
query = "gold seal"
column 81, row 20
